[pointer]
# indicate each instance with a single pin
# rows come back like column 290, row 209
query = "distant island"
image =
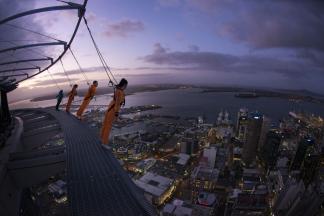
column 296, row 95
column 246, row 95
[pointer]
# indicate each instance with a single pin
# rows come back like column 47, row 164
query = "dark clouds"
column 203, row 60
column 285, row 39
column 219, row 62
column 277, row 24
column 9, row 33
column 262, row 24
column 123, row 28
column 12, row 36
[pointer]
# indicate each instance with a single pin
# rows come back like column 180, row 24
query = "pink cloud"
column 123, row 28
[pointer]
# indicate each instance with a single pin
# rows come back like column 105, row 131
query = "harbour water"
column 193, row 103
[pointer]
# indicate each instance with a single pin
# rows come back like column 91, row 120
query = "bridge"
column 96, row 182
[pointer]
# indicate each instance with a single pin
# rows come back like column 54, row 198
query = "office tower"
column 250, row 147
column 189, row 146
column 310, row 165
column 210, row 155
column 304, row 144
column 266, row 125
column 270, row 149
column 242, row 124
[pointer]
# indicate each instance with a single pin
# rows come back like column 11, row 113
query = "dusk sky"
column 273, row 44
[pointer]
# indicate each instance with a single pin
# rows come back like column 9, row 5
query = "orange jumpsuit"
column 113, row 109
column 87, row 98
column 71, row 95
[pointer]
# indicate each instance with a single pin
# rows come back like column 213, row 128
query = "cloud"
column 169, row 3
column 312, row 56
column 12, row 35
column 277, row 24
column 123, row 28
column 263, row 24
column 44, row 83
column 194, row 48
column 219, row 62
column 203, row 60
column 91, row 16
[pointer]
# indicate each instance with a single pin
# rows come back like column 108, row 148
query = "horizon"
column 53, row 91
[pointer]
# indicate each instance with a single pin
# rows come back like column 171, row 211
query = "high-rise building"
column 266, row 125
column 304, row 144
column 203, row 179
column 189, row 146
column 270, row 150
column 212, row 136
column 242, row 125
column 292, row 191
column 210, row 155
column 250, row 147
column 310, row 166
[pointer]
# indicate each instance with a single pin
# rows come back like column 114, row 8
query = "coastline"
column 296, row 95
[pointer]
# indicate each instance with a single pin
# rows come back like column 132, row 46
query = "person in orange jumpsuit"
column 71, row 95
column 113, row 111
column 87, row 98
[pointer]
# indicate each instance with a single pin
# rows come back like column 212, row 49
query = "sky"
column 271, row 44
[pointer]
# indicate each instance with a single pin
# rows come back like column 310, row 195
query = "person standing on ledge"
column 87, row 98
column 113, row 111
column 71, row 95
column 59, row 98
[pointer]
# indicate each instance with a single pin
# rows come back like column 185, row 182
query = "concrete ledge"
column 12, row 145
column 9, row 193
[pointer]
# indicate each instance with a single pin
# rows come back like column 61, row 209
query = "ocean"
column 192, row 103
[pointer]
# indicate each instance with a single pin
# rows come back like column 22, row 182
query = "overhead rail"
column 30, row 50
column 26, row 60
column 70, row 6
column 41, row 10
column 35, row 32
column 34, row 45
column 19, row 69
column 13, row 75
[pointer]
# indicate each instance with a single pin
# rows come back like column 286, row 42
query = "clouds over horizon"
column 220, row 62
column 282, row 38
column 123, row 28
column 287, row 24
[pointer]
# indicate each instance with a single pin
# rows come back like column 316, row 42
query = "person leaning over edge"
column 59, row 98
column 71, row 95
column 87, row 98
column 112, row 112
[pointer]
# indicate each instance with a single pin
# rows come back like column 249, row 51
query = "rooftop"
column 153, row 183
column 205, row 173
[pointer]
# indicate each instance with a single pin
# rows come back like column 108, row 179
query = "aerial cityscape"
column 234, row 126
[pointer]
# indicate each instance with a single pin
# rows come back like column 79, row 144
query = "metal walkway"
column 97, row 184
